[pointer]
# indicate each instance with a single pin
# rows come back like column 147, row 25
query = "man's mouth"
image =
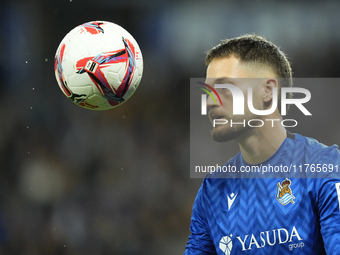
column 215, row 117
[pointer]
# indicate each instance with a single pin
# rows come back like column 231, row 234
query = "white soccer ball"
column 98, row 65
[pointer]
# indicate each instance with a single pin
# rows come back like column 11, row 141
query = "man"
column 236, row 215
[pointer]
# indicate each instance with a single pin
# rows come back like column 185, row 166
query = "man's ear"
column 268, row 90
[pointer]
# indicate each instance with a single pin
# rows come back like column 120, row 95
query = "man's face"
column 231, row 71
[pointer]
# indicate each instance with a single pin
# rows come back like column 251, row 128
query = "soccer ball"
column 98, row 65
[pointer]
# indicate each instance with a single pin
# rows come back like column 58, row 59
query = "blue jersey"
column 271, row 215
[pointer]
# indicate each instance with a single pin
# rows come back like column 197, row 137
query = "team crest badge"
column 284, row 193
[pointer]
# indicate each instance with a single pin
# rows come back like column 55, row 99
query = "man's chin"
column 226, row 134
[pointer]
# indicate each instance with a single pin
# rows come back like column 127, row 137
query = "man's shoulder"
column 312, row 142
column 316, row 149
column 312, row 159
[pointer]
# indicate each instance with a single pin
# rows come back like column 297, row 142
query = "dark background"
column 73, row 181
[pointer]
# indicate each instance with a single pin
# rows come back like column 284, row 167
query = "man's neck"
column 261, row 143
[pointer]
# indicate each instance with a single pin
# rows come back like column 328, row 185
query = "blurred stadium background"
column 73, row 181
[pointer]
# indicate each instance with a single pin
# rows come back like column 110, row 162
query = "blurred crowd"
column 79, row 182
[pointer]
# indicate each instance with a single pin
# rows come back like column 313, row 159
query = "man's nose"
column 211, row 102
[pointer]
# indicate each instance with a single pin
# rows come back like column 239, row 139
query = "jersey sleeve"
column 200, row 241
column 329, row 212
